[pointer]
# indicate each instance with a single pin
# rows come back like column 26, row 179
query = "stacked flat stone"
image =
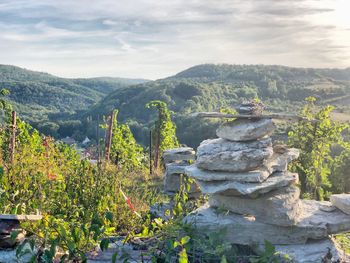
column 243, row 173
column 176, row 160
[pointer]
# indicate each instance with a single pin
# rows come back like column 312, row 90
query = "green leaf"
column 109, row 216
column 183, row 256
column 223, row 259
column 114, row 257
column 104, row 244
column 185, row 240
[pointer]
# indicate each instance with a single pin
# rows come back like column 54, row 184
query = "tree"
column 163, row 131
column 124, row 149
column 314, row 137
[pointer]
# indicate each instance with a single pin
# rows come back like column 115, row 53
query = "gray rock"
column 313, row 251
column 7, row 226
column 245, row 230
column 224, row 155
column 9, row 256
column 278, row 162
column 178, row 154
column 245, row 129
column 341, row 201
column 7, row 242
column 176, row 168
column 20, row 217
column 314, row 214
column 253, row 190
column 281, row 207
column 172, row 183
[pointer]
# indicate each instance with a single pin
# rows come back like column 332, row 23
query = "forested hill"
column 210, row 87
column 42, row 98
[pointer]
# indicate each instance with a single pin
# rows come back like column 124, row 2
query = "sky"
column 157, row 38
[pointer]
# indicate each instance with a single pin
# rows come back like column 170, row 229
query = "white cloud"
column 152, row 39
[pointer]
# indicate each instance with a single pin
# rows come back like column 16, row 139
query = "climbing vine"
column 163, row 131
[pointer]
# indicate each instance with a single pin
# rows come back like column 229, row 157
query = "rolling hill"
column 210, row 87
column 41, row 98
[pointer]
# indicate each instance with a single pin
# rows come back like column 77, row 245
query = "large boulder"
column 253, row 190
column 278, row 162
column 341, row 201
column 245, row 129
column 314, row 223
column 246, row 230
column 223, row 155
column 280, row 207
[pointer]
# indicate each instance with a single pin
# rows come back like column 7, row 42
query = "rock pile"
column 176, row 160
column 242, row 172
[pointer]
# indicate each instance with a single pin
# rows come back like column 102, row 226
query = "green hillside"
column 44, row 99
column 210, row 87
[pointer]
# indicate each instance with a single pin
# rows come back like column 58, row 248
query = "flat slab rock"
column 223, row 155
column 172, row 183
column 314, row 223
column 176, row 168
column 278, row 162
column 245, row 129
column 313, row 251
column 178, row 154
column 253, row 190
column 341, row 201
column 281, row 207
column 20, row 217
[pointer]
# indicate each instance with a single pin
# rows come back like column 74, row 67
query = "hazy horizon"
column 152, row 40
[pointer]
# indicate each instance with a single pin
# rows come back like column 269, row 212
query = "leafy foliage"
column 315, row 137
column 163, row 132
column 124, row 149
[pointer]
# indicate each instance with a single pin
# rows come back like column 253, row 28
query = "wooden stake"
column 109, row 136
column 150, row 153
column 13, row 137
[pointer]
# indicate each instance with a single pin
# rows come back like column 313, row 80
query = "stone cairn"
column 176, row 160
column 242, row 172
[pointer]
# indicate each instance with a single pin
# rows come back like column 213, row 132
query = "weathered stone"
column 224, row 155
column 172, row 183
column 281, row 207
column 178, row 154
column 313, row 213
column 176, row 168
column 253, row 190
column 314, row 251
column 341, row 201
column 9, row 256
column 245, row 230
column 251, row 108
column 20, row 217
column 313, row 223
column 278, row 162
column 7, row 226
column 7, row 242
column 245, row 129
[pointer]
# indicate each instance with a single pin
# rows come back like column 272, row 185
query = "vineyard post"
column 13, row 137
column 150, row 153
column 98, row 139
column 109, row 136
column 157, row 145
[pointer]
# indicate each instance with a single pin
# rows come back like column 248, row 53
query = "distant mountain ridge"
column 210, row 87
column 37, row 95
column 61, row 107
